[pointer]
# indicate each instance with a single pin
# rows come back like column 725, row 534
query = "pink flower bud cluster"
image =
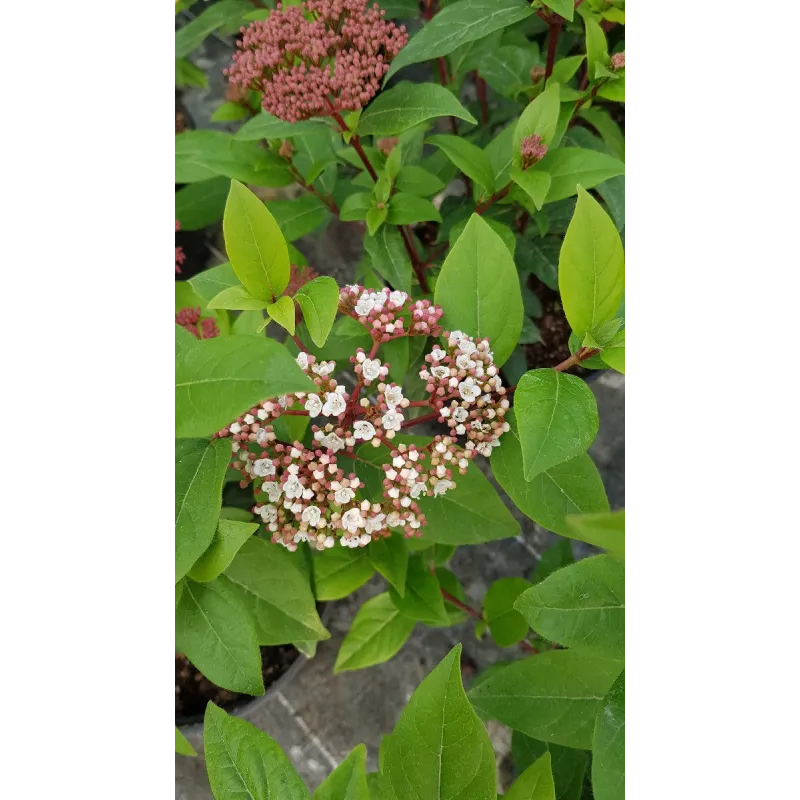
column 316, row 58
column 199, row 327
column 618, row 61
column 302, row 493
column 180, row 256
column 532, row 149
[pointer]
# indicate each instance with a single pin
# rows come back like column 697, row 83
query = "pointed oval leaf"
column 534, row 182
column 282, row 311
column 506, row 624
column 319, row 301
column 182, row 745
column 422, row 599
column 300, row 216
column 389, row 555
column 469, row 158
column 478, row 288
column 236, row 298
column 230, row 536
column 348, row 781
column 539, row 117
column 536, row 783
column 406, row 209
column 265, row 126
column 602, row 530
column 256, row 247
column 417, row 180
column 340, row 571
column 390, row 257
column 608, row 745
column 570, row 167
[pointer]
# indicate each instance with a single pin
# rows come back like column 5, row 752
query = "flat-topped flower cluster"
column 303, row 493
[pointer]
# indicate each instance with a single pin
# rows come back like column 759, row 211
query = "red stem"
column 580, row 355
column 298, row 343
column 444, row 81
column 480, row 87
column 493, row 199
column 552, row 42
column 418, row 420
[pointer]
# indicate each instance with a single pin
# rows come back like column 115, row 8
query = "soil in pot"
column 193, row 690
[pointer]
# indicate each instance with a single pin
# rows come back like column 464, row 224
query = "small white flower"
column 311, row 515
column 371, row 369
column 457, row 335
column 442, row 486
column 438, row 354
column 313, row 405
column 329, row 542
column 324, row 368
column 375, row 523
column 342, row 496
column 352, row 520
column 393, row 395
column 418, row 489
column 460, row 414
column 284, row 401
column 269, row 514
column 469, row 390
column 235, row 427
column 440, row 372
column 398, row 298
column 261, row 436
column 365, row 304
column 263, row 467
column 334, row 404
column 464, row 362
column 300, row 536
column 274, row 490
column 302, row 360
column 467, row 346
column 333, row 442
column 293, row 488
column 485, row 448
column 392, row 420
column 393, row 519
column 363, row 430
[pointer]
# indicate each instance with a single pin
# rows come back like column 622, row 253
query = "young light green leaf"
column 255, row 244
column 375, row 218
column 238, row 299
column 187, row 74
column 469, row 158
column 394, row 162
column 422, row 598
column 556, row 417
column 457, row 24
column 265, row 126
column 340, row 571
column 608, row 745
column 479, row 289
column 182, row 745
column 200, row 468
column 507, row 69
column 216, row 633
column 506, row 624
column 319, row 301
column 416, row 180
column 534, row 182
column 581, row 606
column 614, row 353
column 220, row 378
column 390, row 257
column 406, row 209
column 282, row 311
column 356, row 206
column 201, row 204
column 591, row 267
column 378, row 631
column 503, row 231
column 564, row 8
column 211, row 282
column 276, row 593
column 573, row 487
column 300, row 216
column 536, row 783
column 389, row 555
column 348, row 781
column 596, row 46
column 500, row 152
column 229, row 537
column 403, row 106
column 570, row 167
column 568, row 765
column 243, row 762
column 565, row 68
column 248, row 323
column 606, row 530
column 439, row 749
column 230, row 112
column 539, row 117
column 552, row 696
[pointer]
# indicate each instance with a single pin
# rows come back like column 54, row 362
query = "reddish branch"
column 554, row 29
column 493, row 199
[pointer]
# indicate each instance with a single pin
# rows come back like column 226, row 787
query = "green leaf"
column 606, row 530
column 439, row 748
column 403, row 106
column 211, row 282
column 596, row 46
column 568, row 765
column 200, row 468
column 277, row 594
column 591, row 267
column 249, row 323
column 187, row 74
column 556, row 556
column 346, row 336
column 393, row 163
column 457, row 24
column 614, row 353
column 503, row 231
column 536, row 783
column 406, row 209
column 219, row 379
column 395, row 353
column 573, row 487
column 541, row 258
column 378, row 631
column 471, row 160
column 507, row 626
column 389, row 555
column 416, row 180
column 581, row 606
column 238, row 299
column 608, row 129
column 565, row 68
column 375, row 218
column 614, row 90
column 422, row 599
column 564, row 8
column 300, row 216
column 448, row 582
column 348, row 781
column 265, row 126
column 340, row 571
column 556, row 416
column 479, row 289
column 390, row 257
column 230, row 112
column 201, row 204
column 319, row 301
column 356, row 206
column 255, row 244
column 608, row 745
column 539, row 117
column 534, row 182
column 182, row 745
column 229, row 537
column 282, row 311
column 215, row 632
column 553, row 696
column 571, row 166
column 507, row 69
column 243, row 762
column 500, row 152
column 218, row 15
